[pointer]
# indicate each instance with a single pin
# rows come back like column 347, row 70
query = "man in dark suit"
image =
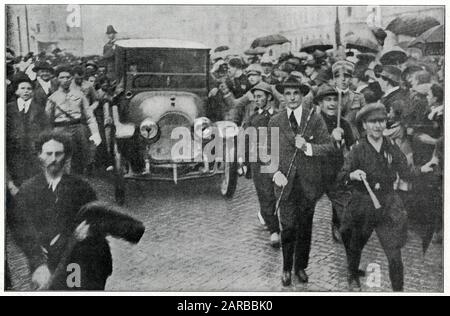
column 109, row 50
column 25, row 119
column 304, row 136
column 45, row 218
column 43, row 86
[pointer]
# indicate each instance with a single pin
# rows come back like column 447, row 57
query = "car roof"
column 159, row 43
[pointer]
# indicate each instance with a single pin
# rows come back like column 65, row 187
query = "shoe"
column 110, row 169
column 275, row 240
column 286, row 278
column 261, row 219
column 302, row 276
column 336, row 234
column 354, row 285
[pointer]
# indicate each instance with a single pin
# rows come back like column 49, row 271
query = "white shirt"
column 261, row 111
column 391, row 90
column 23, row 105
column 298, row 114
column 342, row 91
column 45, row 85
column 53, row 183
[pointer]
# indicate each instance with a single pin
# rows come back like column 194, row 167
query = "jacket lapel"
column 303, row 121
column 286, row 127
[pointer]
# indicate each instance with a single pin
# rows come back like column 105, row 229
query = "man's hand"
column 357, row 175
column 12, row 188
column 280, row 179
column 82, row 231
column 338, row 134
column 41, row 278
column 224, row 88
column 96, row 139
column 300, row 142
column 213, row 92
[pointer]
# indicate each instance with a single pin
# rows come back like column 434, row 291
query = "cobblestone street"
column 197, row 241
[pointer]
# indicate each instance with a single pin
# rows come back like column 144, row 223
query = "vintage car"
column 164, row 86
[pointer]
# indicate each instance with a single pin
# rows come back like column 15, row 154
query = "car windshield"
column 168, row 61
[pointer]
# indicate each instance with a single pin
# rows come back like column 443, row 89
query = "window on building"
column 38, row 28
column 68, row 28
column 349, row 11
column 52, row 27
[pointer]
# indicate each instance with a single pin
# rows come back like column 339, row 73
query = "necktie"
column 293, row 122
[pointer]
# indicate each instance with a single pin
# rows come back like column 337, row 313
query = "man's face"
column 52, row 157
column 44, row 74
column 91, row 80
column 267, row 68
column 24, row 91
column 64, row 79
column 343, row 81
column 293, row 97
column 328, row 105
column 354, row 83
column 111, row 36
column 261, row 99
column 309, row 70
column 383, row 84
column 78, row 79
column 232, row 71
column 254, row 79
column 375, row 128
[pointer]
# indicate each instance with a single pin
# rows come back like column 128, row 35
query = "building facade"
column 81, row 29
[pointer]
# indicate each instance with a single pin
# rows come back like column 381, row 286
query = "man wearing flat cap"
column 303, row 138
column 109, row 50
column 44, row 86
column 351, row 102
column 327, row 100
column 262, row 113
column 378, row 161
column 238, row 81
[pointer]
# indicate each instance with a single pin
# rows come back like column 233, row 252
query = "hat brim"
column 372, row 115
column 304, row 89
column 36, row 69
column 320, row 97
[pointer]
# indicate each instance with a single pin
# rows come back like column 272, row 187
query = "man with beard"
column 303, row 138
column 351, row 102
column 69, row 112
column 378, row 161
column 327, row 99
column 44, row 86
column 46, row 217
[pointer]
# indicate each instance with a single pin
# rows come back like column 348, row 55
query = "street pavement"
column 197, row 241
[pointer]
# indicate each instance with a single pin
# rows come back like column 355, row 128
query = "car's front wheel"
column 229, row 180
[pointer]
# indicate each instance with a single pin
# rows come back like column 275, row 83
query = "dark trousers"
column 389, row 222
column 296, row 217
column 266, row 196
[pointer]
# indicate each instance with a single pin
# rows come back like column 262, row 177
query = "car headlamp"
column 148, row 129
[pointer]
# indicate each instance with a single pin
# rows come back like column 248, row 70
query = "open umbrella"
column 315, row 44
column 411, row 25
column 393, row 56
column 430, row 41
column 364, row 45
column 265, row 41
column 255, row 51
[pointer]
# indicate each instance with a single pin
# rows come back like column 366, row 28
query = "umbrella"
column 435, row 35
column 221, row 49
column 364, row 45
column 315, row 44
column 393, row 56
column 265, row 41
column 255, row 51
column 411, row 25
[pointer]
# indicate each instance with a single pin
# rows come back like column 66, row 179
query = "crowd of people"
column 353, row 124
column 382, row 110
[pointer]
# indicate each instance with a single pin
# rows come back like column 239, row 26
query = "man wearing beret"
column 378, row 161
column 44, row 86
column 351, row 101
column 69, row 111
column 303, row 138
column 327, row 99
